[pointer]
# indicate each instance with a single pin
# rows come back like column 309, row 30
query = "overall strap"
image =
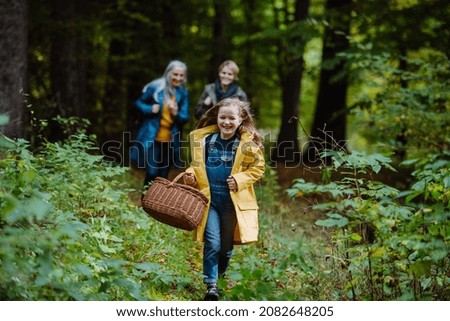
column 235, row 145
column 213, row 140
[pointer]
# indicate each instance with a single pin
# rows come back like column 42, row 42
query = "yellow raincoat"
column 248, row 167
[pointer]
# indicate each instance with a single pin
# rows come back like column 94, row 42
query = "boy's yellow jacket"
column 248, row 167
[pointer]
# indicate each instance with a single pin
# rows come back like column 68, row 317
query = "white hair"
column 163, row 83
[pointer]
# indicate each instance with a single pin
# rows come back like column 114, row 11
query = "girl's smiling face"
column 228, row 120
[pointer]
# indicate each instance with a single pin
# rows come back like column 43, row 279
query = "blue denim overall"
column 221, row 221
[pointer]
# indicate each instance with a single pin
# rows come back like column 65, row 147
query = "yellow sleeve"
column 253, row 172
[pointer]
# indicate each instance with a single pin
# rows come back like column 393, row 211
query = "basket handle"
column 177, row 178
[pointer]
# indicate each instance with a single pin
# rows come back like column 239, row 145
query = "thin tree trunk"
column 68, row 60
column 220, row 40
column 116, row 85
column 330, row 123
column 249, row 8
column 402, row 141
column 13, row 65
column 290, row 72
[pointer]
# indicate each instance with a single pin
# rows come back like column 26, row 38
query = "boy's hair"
column 248, row 124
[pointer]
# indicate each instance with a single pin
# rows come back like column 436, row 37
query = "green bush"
column 387, row 246
column 68, row 230
column 404, row 109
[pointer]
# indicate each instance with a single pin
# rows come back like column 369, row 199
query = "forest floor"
column 281, row 218
column 293, row 214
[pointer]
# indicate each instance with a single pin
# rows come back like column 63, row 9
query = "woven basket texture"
column 174, row 204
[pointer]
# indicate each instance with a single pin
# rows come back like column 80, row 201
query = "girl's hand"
column 189, row 179
column 232, row 185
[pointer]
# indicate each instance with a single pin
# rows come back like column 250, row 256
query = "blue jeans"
column 219, row 231
column 159, row 160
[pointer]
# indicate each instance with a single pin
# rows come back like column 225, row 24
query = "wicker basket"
column 177, row 205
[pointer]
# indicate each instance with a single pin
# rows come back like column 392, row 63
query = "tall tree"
column 330, row 122
column 290, row 69
column 116, row 98
column 68, row 58
column 220, row 41
column 402, row 29
column 13, row 65
column 249, row 8
column 252, row 17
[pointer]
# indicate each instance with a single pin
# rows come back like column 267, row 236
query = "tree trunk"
column 115, row 100
column 249, row 8
column 402, row 141
column 220, row 40
column 68, row 60
column 290, row 73
column 329, row 126
column 13, row 65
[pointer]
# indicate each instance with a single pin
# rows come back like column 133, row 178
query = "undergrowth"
column 69, row 230
column 385, row 244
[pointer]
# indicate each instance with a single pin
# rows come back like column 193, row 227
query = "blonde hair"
column 248, row 124
column 232, row 65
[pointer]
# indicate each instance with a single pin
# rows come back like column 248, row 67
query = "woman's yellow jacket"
column 248, row 167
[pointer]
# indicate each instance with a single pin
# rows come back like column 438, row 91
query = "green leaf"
column 28, row 175
column 412, row 195
column 421, row 268
column 235, row 275
column 107, row 249
column 426, row 283
column 72, row 229
column 325, row 176
column 6, row 143
column 331, row 222
column 409, row 162
column 115, row 239
column 4, row 119
column 447, row 182
column 356, row 237
column 378, row 252
column 438, row 254
column 148, row 266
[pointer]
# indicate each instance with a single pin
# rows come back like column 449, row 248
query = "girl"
column 163, row 106
column 227, row 160
column 224, row 87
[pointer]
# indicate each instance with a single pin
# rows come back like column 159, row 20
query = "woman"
column 164, row 107
column 224, row 87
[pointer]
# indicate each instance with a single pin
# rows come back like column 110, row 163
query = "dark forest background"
column 300, row 60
